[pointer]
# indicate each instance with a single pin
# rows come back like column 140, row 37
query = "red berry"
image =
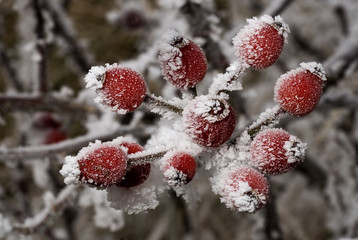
column 46, row 120
column 275, row 151
column 121, row 88
column 178, row 168
column 137, row 174
column 259, row 44
column 182, row 61
column 209, row 121
column 242, row 188
column 102, row 164
column 54, row 136
column 299, row 91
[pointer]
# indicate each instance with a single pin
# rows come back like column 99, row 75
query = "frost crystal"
column 228, row 81
column 277, row 21
column 71, row 170
column 315, row 68
column 211, row 109
column 235, row 192
column 94, row 78
column 295, row 149
column 140, row 198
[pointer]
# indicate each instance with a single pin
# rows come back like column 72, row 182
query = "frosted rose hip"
column 183, row 62
column 242, row 188
column 102, row 164
column 209, row 121
column 260, row 42
column 275, row 151
column 299, row 91
column 120, row 88
column 178, row 168
column 136, row 174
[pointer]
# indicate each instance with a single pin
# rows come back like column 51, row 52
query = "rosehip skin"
column 268, row 153
column 209, row 133
column 104, row 166
column 123, row 89
column 186, row 68
column 261, row 48
column 183, row 163
column 136, row 174
column 244, row 200
column 298, row 92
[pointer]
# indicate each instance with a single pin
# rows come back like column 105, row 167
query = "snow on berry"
column 183, row 62
column 209, row 121
column 241, row 188
column 275, row 151
column 179, row 168
column 122, row 89
column 260, row 42
column 136, row 174
column 99, row 164
column 299, row 91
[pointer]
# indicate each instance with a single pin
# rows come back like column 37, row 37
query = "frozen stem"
column 227, row 82
column 160, row 102
column 52, row 206
column 138, row 158
column 266, row 119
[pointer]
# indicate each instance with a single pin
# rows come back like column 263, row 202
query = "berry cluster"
column 203, row 125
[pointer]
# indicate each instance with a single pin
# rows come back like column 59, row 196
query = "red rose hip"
column 120, row 88
column 259, row 44
column 99, row 164
column 243, row 188
column 209, row 121
column 299, row 91
column 178, row 168
column 136, row 174
column 275, row 151
column 183, row 62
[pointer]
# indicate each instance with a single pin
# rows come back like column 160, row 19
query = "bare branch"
column 29, row 103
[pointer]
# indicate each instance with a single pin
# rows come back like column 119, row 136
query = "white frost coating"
column 211, row 109
column 71, row 170
column 170, row 56
column 94, row 77
column 277, row 22
column 228, row 81
column 269, row 114
column 140, row 198
column 236, row 194
column 104, row 215
column 295, row 149
column 315, row 68
column 5, row 226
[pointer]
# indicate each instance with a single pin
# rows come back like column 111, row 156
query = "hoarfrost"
column 71, row 170
column 228, row 81
column 104, row 215
column 315, row 68
column 140, row 198
column 5, row 226
column 295, row 149
column 236, row 194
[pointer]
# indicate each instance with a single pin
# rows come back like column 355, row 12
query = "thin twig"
column 51, row 207
column 65, row 30
column 277, row 7
column 6, row 63
column 28, row 103
column 159, row 102
column 67, row 146
column 40, row 47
